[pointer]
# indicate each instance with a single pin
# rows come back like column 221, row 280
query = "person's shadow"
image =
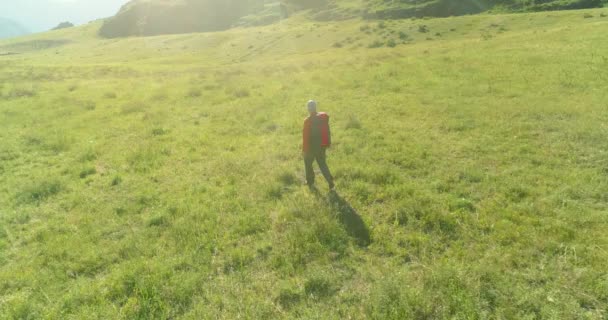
column 348, row 216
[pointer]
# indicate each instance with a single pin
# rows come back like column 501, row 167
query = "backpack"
column 316, row 131
column 324, row 128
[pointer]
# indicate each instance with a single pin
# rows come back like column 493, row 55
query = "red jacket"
column 318, row 122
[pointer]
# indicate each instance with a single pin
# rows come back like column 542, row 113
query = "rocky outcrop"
column 63, row 25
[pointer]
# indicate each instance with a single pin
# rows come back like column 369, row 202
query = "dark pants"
column 309, row 158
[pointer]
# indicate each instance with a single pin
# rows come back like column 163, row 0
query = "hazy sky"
column 41, row 15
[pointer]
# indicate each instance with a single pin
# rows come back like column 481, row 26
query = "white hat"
column 312, row 106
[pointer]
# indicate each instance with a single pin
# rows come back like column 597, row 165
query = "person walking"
column 316, row 139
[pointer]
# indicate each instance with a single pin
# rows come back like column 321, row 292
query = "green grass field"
column 161, row 177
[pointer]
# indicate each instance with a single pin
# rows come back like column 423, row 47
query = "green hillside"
column 446, row 8
column 161, row 177
column 158, row 17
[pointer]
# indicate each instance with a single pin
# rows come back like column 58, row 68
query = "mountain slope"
column 9, row 29
column 147, row 18
column 155, row 17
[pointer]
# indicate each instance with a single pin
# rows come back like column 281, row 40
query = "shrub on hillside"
column 116, row 181
column 88, row 155
column 21, row 93
column 376, row 44
column 288, row 297
column 89, row 105
column 133, row 107
column 194, row 93
column 288, row 178
column 159, row 132
column 158, row 221
column 318, row 287
column 160, row 96
column 39, row 192
column 87, row 172
column 63, row 25
column 241, row 93
column 109, row 95
column 353, row 123
column 306, row 4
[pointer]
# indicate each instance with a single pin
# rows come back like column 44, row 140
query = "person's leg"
column 310, row 173
column 321, row 160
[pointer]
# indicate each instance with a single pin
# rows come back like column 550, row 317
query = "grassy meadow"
column 161, row 177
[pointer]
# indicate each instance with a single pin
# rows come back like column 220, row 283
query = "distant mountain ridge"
column 10, row 28
column 156, row 17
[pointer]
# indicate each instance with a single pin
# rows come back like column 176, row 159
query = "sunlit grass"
column 161, row 177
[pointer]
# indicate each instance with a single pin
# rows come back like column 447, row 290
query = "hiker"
column 317, row 138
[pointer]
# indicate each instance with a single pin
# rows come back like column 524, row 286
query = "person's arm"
column 305, row 136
